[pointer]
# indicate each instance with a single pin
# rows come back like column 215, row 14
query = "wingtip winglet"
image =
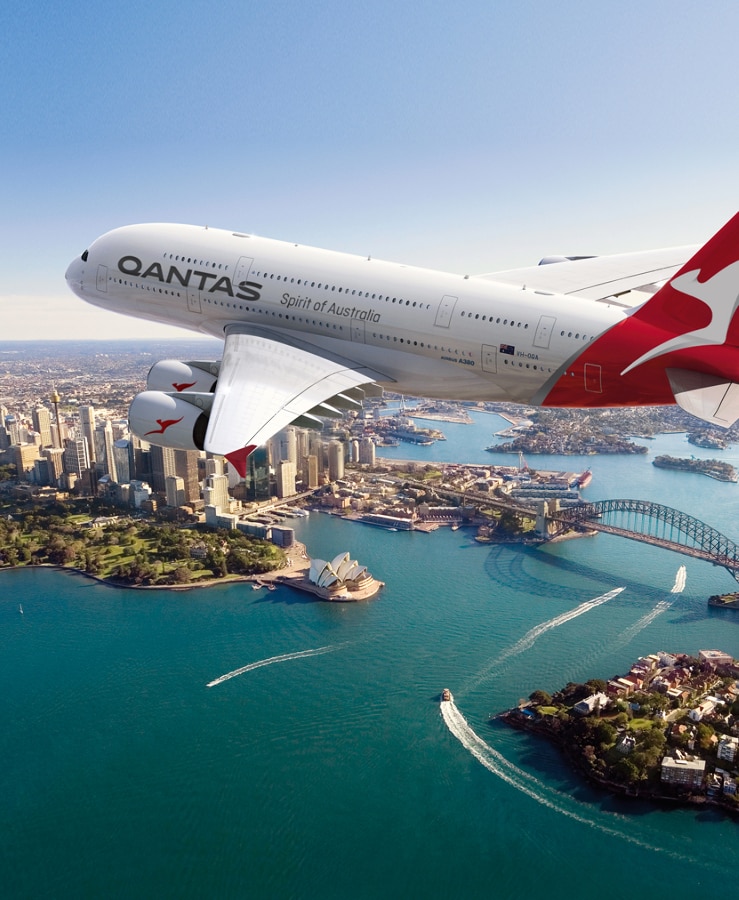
column 238, row 458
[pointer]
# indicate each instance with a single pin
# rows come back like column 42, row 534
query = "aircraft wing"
column 268, row 380
column 599, row 277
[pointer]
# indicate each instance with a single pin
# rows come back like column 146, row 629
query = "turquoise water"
column 333, row 774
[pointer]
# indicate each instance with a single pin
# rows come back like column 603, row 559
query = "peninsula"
column 667, row 730
column 714, row 468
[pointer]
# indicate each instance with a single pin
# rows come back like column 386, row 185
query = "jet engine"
column 169, row 420
column 174, row 375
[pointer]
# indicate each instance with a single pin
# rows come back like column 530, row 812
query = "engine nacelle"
column 174, row 375
column 169, row 421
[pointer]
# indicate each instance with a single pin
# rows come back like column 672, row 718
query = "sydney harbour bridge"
column 649, row 523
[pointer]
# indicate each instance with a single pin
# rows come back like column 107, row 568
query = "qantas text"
column 221, row 284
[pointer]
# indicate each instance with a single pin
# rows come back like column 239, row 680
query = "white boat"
column 20, row 608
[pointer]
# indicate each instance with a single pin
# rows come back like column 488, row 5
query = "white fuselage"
column 430, row 333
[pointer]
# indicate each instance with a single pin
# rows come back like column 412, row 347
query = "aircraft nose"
column 74, row 274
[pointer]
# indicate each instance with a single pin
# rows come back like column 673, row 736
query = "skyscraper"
column 42, row 423
column 335, row 460
column 186, row 467
column 87, row 429
column 285, row 479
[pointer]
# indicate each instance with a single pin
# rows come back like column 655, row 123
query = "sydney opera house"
column 342, row 579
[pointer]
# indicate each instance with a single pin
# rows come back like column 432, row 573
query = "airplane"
column 309, row 332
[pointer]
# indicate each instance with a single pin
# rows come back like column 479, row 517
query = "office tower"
column 162, row 464
column 76, row 457
column 175, row 490
column 367, row 451
column 55, row 457
column 122, row 454
column 186, row 468
column 256, row 483
column 24, row 457
column 87, row 429
column 215, row 492
column 213, row 465
column 335, row 460
column 42, row 424
column 310, row 472
column 105, row 457
column 13, row 428
column 285, row 479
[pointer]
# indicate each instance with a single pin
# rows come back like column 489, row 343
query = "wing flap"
column 599, row 277
column 267, row 381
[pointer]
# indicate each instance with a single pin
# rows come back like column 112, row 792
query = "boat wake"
column 537, row 631
column 630, row 633
column 522, row 781
column 268, row 662
column 680, row 578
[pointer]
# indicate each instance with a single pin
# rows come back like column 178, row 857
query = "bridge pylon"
column 547, row 526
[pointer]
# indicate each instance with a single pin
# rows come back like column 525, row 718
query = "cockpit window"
column 84, row 256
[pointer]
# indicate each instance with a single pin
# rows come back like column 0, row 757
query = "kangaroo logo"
column 713, row 293
column 164, row 424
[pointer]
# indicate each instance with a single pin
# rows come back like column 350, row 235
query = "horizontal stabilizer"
column 709, row 397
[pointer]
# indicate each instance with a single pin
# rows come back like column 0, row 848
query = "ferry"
column 446, row 696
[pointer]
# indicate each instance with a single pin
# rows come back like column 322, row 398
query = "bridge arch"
column 656, row 524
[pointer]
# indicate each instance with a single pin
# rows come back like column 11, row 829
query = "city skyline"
column 469, row 141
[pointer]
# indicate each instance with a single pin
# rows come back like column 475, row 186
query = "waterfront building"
column 282, row 536
column 715, row 658
column 685, row 773
column 727, row 748
column 590, row 704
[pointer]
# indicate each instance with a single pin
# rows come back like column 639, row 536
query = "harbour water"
column 323, row 767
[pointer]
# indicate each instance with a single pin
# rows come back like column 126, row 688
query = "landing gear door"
column 544, row 331
column 444, row 312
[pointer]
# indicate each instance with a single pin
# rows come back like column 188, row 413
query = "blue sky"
column 468, row 137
